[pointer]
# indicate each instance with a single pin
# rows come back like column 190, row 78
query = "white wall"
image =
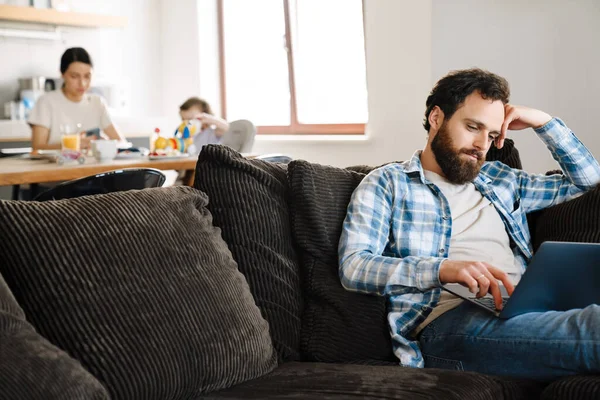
column 179, row 51
column 547, row 49
column 130, row 53
column 398, row 45
column 398, row 55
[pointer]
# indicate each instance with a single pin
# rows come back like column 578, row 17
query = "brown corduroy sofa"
column 284, row 221
column 281, row 224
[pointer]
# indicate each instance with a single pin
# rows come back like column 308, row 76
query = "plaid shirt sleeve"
column 582, row 171
column 364, row 240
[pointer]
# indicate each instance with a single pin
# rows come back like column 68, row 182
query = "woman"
column 70, row 106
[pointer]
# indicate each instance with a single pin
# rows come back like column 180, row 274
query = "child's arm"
column 220, row 124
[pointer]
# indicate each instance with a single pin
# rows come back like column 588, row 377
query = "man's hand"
column 519, row 117
column 479, row 277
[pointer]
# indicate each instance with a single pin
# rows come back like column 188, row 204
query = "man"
column 446, row 216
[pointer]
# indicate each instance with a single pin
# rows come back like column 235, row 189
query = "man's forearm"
column 575, row 160
column 381, row 275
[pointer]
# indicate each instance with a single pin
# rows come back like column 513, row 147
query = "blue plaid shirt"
column 398, row 227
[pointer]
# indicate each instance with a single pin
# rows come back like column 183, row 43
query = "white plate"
column 127, row 156
column 168, row 157
column 44, row 154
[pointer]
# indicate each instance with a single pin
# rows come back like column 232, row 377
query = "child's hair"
column 196, row 102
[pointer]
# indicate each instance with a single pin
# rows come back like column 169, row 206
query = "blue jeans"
column 542, row 346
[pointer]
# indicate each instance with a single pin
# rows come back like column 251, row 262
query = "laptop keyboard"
column 489, row 302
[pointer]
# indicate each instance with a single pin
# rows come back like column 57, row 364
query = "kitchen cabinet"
column 59, row 18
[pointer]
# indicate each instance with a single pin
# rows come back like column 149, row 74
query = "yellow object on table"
column 71, row 142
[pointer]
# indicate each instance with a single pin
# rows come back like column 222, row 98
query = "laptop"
column 561, row 276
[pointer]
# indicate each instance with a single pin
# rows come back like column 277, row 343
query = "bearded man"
column 447, row 216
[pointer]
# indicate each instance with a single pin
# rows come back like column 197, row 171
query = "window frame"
column 295, row 127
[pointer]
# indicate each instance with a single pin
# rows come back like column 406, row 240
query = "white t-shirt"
column 206, row 136
column 478, row 234
column 202, row 138
column 53, row 110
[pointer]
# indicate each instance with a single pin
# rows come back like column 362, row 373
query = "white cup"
column 104, row 150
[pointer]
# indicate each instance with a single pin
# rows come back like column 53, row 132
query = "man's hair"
column 196, row 102
column 450, row 92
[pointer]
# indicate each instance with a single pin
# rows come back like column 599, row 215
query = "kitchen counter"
column 130, row 127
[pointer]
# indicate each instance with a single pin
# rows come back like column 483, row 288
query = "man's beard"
column 456, row 169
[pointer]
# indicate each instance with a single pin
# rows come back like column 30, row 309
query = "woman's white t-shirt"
column 53, row 110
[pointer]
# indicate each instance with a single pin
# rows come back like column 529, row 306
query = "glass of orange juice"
column 70, row 139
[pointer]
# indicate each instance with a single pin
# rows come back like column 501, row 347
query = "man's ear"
column 436, row 118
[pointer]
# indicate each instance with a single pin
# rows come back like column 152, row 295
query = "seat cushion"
column 337, row 325
column 248, row 199
column 573, row 388
column 31, row 367
column 577, row 220
column 322, row 381
column 139, row 287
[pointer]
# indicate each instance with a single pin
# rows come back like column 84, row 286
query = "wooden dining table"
column 22, row 170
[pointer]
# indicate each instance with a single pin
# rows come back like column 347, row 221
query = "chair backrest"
column 240, row 136
column 113, row 181
column 276, row 158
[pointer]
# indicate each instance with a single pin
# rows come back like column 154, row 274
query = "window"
column 294, row 66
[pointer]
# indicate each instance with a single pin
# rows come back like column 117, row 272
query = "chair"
column 113, row 181
column 240, row 136
column 276, row 158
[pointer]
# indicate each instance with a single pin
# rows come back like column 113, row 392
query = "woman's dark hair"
column 196, row 102
column 450, row 92
column 74, row 54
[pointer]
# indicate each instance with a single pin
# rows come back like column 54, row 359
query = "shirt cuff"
column 554, row 132
column 428, row 275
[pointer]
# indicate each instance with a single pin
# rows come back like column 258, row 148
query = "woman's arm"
column 39, row 138
column 113, row 133
column 110, row 132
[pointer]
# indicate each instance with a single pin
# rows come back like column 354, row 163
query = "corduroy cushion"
column 337, row 325
column 139, row 287
column 577, row 220
column 248, row 200
column 33, row 368
column 320, row 381
column 508, row 154
column 573, row 388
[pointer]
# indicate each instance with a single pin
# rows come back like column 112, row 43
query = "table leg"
column 188, row 177
column 15, row 192
column 34, row 188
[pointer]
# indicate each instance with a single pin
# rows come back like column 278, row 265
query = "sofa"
column 227, row 290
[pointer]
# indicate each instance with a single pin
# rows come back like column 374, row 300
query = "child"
column 212, row 127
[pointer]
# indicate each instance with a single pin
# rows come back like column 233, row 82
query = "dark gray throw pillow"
column 577, row 220
column 139, row 287
column 337, row 325
column 248, row 200
column 508, row 154
column 31, row 367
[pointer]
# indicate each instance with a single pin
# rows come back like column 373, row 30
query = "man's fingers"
column 503, row 277
column 499, row 142
column 510, row 288
column 483, row 283
column 495, row 292
column 509, row 116
column 471, row 283
column 507, row 120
